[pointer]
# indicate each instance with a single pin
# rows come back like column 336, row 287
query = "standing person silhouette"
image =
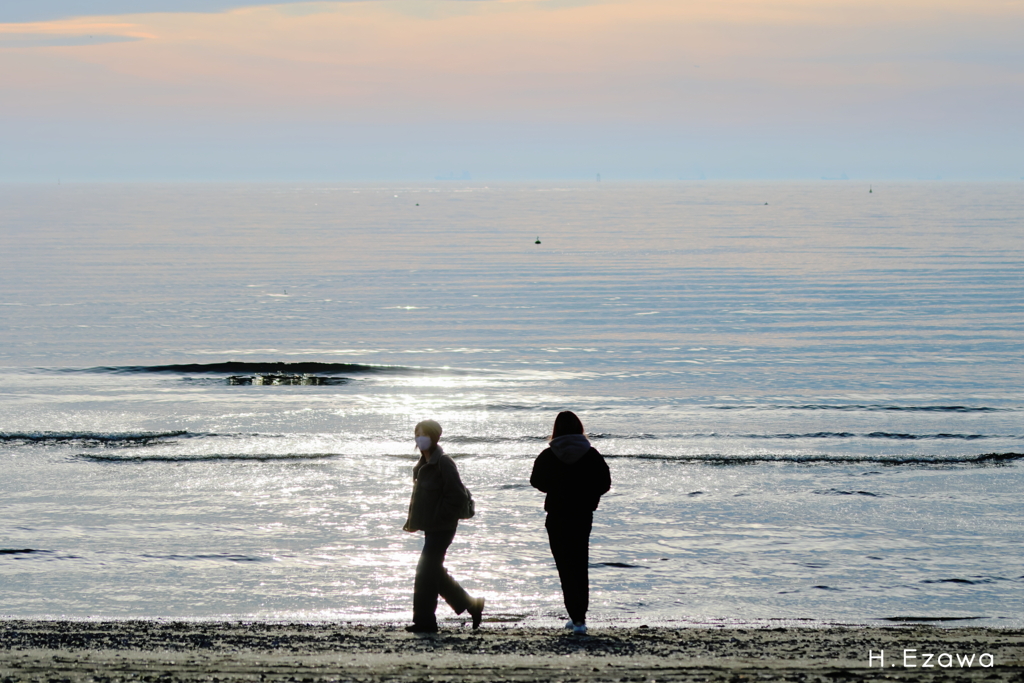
column 574, row 476
column 437, row 498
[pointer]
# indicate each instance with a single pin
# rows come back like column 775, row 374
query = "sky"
column 418, row 90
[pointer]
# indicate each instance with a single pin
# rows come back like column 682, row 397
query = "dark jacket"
column 573, row 474
column 437, row 494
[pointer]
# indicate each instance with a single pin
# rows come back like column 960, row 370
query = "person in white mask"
column 438, row 497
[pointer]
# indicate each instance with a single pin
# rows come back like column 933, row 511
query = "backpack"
column 468, row 508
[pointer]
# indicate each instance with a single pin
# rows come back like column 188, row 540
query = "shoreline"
column 166, row 651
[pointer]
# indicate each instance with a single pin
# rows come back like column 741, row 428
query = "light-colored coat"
column 437, row 494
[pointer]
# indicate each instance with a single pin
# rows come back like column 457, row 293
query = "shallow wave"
column 869, row 407
column 496, row 439
column 710, row 458
column 843, row 492
column 147, row 438
column 604, row 436
column 262, row 368
column 972, row 581
column 913, row 619
column 204, row 457
column 94, row 438
column 21, row 551
column 901, row 436
column 852, row 407
column 725, row 459
column 216, row 557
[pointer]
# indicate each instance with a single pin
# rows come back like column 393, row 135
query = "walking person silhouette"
column 438, row 497
column 574, row 476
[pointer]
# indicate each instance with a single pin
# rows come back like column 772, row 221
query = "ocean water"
column 810, row 397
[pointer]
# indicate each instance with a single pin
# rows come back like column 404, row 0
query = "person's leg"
column 454, row 594
column 570, row 546
column 577, row 591
column 429, row 572
column 458, row 599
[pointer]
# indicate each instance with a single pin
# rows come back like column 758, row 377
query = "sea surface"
column 810, row 396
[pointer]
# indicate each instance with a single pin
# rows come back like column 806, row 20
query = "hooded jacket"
column 437, row 494
column 572, row 474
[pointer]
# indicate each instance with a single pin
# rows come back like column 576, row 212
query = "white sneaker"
column 579, row 629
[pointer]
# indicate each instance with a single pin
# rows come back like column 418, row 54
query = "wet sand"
column 165, row 651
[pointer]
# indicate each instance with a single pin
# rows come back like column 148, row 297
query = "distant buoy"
column 538, row 240
column 870, row 190
column 766, row 203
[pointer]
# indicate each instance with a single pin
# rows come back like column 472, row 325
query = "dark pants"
column 432, row 580
column 570, row 545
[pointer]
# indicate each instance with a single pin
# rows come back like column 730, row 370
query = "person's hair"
column 430, row 428
column 566, row 423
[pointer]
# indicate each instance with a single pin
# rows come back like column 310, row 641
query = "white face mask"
column 423, row 443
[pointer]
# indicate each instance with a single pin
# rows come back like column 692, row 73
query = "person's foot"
column 476, row 610
column 419, row 628
column 569, row 624
column 579, row 628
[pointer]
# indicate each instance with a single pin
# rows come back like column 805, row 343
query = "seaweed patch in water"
column 285, row 379
column 840, row 492
column 901, row 619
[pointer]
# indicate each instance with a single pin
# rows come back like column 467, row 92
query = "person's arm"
column 597, row 477
column 540, row 478
column 602, row 476
column 453, row 492
column 409, row 525
column 416, row 468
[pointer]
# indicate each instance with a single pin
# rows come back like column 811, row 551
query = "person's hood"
column 435, row 454
column 569, row 448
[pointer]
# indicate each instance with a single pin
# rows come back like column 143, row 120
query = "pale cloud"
column 674, row 66
column 22, row 40
column 70, row 33
column 46, row 10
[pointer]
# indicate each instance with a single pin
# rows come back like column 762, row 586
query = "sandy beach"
column 71, row 651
